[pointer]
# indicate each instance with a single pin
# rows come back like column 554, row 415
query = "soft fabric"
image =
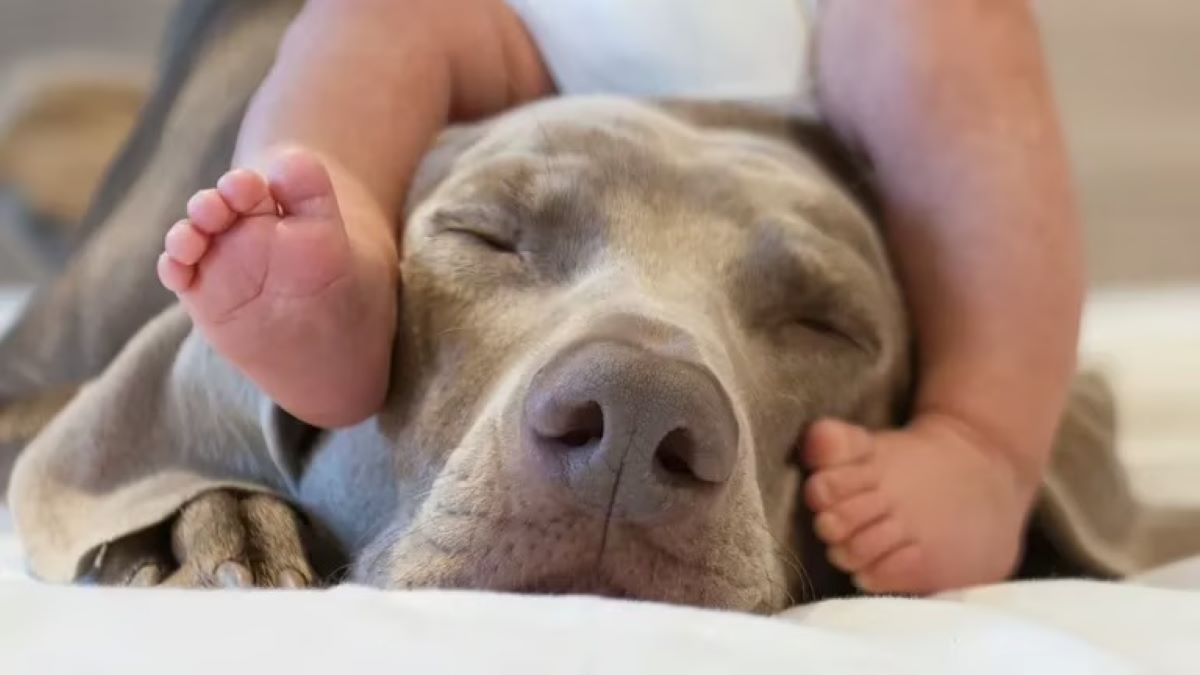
column 1033, row 627
column 1056, row 628
column 722, row 49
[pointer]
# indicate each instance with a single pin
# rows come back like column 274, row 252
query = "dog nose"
column 631, row 433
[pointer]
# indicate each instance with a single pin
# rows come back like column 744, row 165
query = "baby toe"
column 830, row 486
column 847, row 517
column 869, row 545
column 901, row 571
column 209, row 213
column 301, row 184
column 175, row 276
column 832, row 443
column 185, row 244
column 246, row 192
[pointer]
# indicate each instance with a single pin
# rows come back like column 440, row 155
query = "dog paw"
column 221, row 539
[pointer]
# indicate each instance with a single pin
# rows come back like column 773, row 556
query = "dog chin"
column 565, row 572
column 697, row 593
column 577, row 583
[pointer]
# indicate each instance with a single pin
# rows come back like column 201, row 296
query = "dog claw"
column 147, row 575
column 290, row 578
column 232, row 574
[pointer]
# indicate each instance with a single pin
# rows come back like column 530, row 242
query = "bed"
column 1143, row 339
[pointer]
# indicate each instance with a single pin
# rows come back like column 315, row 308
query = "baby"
column 289, row 265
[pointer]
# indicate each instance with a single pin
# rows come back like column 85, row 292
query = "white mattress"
column 1146, row 341
column 1061, row 627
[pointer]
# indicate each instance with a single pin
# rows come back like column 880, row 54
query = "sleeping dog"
column 617, row 321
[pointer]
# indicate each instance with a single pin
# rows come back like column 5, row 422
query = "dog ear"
column 440, row 161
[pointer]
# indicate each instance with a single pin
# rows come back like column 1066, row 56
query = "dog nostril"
column 674, row 454
column 581, row 426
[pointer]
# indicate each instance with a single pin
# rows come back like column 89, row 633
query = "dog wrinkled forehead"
column 715, row 213
column 598, row 154
column 686, row 199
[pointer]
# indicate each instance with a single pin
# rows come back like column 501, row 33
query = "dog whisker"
column 785, row 555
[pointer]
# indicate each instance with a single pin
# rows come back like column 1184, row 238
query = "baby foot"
column 915, row 511
column 272, row 279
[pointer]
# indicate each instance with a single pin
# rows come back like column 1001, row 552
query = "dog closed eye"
column 487, row 239
column 478, row 226
column 822, row 327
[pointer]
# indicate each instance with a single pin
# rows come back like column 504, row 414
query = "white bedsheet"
column 1060, row 627
column 1147, row 342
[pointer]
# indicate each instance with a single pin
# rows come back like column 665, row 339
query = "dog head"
column 617, row 321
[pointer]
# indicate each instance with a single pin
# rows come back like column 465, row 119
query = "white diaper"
column 712, row 49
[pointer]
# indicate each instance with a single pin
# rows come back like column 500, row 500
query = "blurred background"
column 72, row 74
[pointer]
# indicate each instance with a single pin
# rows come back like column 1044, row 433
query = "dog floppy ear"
column 440, row 161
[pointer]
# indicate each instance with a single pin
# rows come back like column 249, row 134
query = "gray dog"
column 617, row 321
